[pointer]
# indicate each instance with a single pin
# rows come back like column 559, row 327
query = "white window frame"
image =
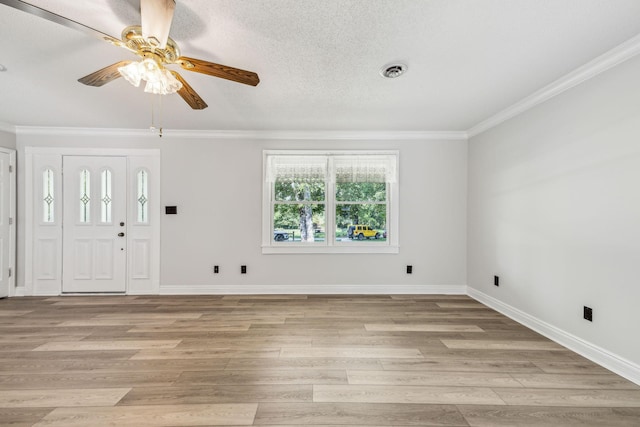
column 330, row 245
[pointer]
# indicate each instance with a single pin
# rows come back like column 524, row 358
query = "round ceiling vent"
column 392, row 71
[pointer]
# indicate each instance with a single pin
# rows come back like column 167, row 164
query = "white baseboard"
column 613, row 362
column 312, row 289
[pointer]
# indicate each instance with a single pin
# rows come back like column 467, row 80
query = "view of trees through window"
column 299, row 213
column 361, row 203
column 299, row 210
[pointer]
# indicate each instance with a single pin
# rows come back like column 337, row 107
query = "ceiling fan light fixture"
column 163, row 83
column 131, row 73
column 159, row 80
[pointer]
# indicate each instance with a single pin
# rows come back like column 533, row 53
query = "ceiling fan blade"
column 156, row 17
column 217, row 70
column 58, row 19
column 189, row 95
column 103, row 76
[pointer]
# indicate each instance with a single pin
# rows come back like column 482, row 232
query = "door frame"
column 45, row 279
column 11, row 199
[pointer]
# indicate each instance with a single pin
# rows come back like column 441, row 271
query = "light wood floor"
column 292, row 360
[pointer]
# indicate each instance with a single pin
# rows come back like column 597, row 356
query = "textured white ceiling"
column 318, row 61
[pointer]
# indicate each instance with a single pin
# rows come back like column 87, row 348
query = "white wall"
column 7, row 139
column 216, row 185
column 554, row 210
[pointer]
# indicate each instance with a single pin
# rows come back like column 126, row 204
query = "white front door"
column 94, row 229
column 5, row 229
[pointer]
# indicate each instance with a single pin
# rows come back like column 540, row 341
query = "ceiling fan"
column 152, row 43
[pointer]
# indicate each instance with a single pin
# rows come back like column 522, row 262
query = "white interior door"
column 94, row 242
column 5, row 229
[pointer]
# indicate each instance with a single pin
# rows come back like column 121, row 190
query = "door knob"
column 121, row 234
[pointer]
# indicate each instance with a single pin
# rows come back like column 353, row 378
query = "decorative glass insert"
column 47, row 196
column 85, row 196
column 143, row 196
column 105, row 196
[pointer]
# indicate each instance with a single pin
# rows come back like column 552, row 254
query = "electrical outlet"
column 216, row 269
column 409, row 269
column 496, row 281
column 243, row 269
column 588, row 313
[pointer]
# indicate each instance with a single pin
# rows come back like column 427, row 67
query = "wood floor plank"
column 22, row 417
column 205, row 354
column 585, row 381
column 452, row 379
column 13, row 313
column 70, row 380
column 61, row 397
column 527, row 416
column 349, row 414
column 570, row 397
column 298, row 376
column 149, row 316
column 571, row 367
column 360, row 353
column 503, row 345
column 153, row 416
column 107, row 345
column 305, row 363
column 405, row 394
column 459, row 365
column 421, row 327
column 217, row 393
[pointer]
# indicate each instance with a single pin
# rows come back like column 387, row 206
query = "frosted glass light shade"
column 159, row 80
column 131, row 73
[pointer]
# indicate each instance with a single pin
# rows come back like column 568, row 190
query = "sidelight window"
column 105, row 196
column 142, row 199
column 85, row 196
column 48, row 199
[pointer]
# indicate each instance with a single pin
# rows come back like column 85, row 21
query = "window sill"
column 338, row 249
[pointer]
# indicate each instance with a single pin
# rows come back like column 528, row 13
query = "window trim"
column 330, row 245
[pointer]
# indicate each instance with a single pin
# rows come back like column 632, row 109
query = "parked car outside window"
column 361, row 232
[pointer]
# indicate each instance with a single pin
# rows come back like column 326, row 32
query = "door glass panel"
column 47, row 196
column 85, row 196
column 143, row 192
column 105, row 196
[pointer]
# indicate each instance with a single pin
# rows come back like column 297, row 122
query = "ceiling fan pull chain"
column 160, row 115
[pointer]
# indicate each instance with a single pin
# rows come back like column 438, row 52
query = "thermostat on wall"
column 171, row 210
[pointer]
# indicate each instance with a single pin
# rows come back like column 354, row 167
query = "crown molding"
column 246, row 134
column 602, row 63
column 6, row 127
column 71, row 131
column 318, row 135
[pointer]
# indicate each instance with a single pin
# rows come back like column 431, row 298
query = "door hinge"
column 10, row 168
column 9, row 272
column 10, row 221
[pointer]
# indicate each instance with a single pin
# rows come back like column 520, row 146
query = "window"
column 105, row 196
column 85, row 196
column 142, row 199
column 330, row 201
column 48, row 199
